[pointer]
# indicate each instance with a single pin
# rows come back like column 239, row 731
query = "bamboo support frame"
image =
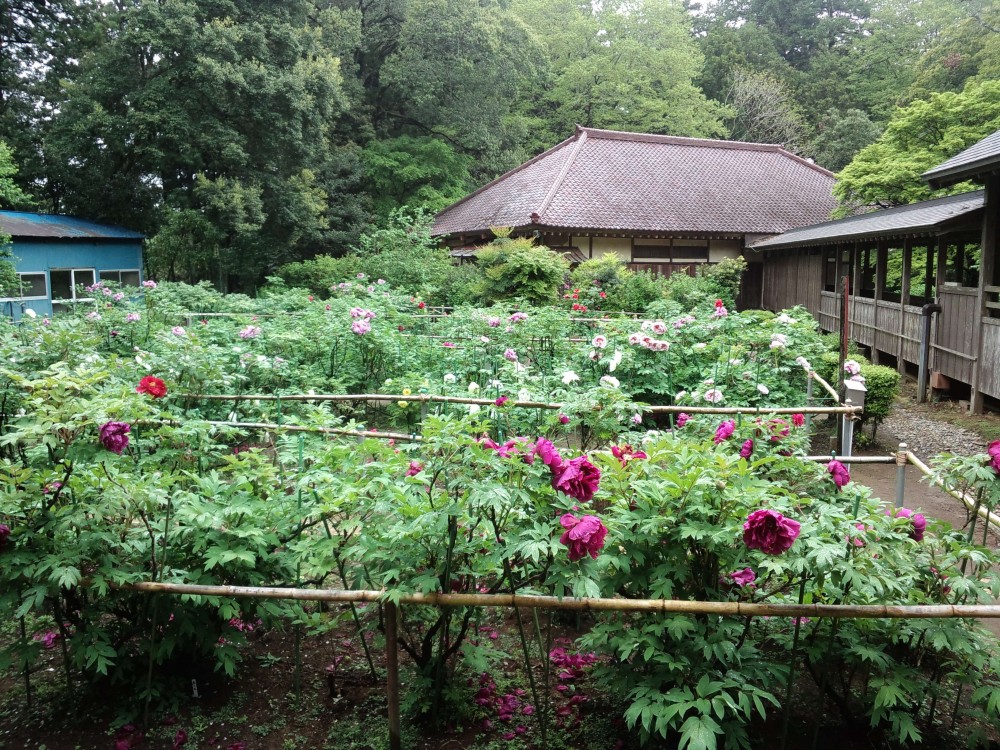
column 984, row 513
column 529, row 601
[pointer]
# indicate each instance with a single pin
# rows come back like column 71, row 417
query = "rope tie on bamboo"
column 901, row 457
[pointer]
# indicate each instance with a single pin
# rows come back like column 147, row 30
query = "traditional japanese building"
column 661, row 203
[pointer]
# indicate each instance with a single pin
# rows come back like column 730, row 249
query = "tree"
column 222, row 108
column 841, row 135
column 919, row 137
column 11, row 196
column 618, row 65
column 762, row 110
column 421, row 172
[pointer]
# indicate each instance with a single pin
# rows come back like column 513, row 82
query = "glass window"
column 125, row 278
column 65, row 282
column 33, row 285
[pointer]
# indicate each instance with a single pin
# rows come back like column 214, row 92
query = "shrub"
column 883, row 387
column 517, row 268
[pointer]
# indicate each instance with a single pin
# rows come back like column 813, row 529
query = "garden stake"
column 527, row 654
column 27, row 672
column 900, row 474
column 809, row 398
column 392, row 675
column 298, row 580
column 791, row 669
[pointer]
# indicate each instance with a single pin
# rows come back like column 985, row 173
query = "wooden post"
column 904, row 300
column 987, row 263
column 392, row 674
column 881, row 261
column 940, row 264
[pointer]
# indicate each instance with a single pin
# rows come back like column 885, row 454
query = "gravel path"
column 927, row 437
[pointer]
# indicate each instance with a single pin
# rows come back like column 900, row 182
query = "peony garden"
column 366, row 441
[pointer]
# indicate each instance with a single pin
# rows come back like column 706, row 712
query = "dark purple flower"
column 724, row 431
column 841, row 475
column 180, row 739
column 114, row 436
column 747, row 450
column 583, row 536
column 577, row 478
column 4, row 533
column 917, row 519
column 769, row 531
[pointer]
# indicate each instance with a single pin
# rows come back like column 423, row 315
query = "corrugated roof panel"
column 22, row 224
column 925, row 216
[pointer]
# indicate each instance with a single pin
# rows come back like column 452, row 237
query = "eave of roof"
column 24, row 225
column 974, row 162
column 923, row 218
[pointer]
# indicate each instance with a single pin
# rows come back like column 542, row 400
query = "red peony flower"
column 577, row 478
column 584, row 536
column 798, row 420
column 152, row 386
column 625, row 453
column 770, row 532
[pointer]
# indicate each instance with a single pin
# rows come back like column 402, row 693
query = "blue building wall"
column 44, row 255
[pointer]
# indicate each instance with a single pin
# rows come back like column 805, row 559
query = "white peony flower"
column 763, row 389
column 608, row 380
column 569, row 377
column 449, row 378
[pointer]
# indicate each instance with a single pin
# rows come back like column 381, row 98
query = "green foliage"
column 517, row 268
column 841, row 136
column 717, row 281
column 883, row 387
column 917, row 138
column 418, row 172
column 605, row 283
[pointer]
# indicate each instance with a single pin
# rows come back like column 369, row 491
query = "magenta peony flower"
column 724, row 431
column 770, row 532
column 747, row 450
column 798, row 420
column 841, row 475
column 682, row 419
column 583, row 536
column 415, row 468
column 625, row 453
column 114, row 436
column 501, row 401
column 548, row 453
column 577, row 478
column 745, row 577
column 917, row 519
column 994, row 452
column 563, row 419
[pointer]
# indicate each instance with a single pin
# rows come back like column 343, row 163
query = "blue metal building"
column 55, row 255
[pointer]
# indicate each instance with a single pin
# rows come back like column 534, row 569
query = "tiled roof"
column 612, row 181
column 21, row 224
column 976, row 160
column 925, row 217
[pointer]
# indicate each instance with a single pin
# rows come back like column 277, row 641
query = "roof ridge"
column 505, row 175
column 581, row 138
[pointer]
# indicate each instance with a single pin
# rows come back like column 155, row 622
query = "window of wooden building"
column 893, row 290
column 866, row 259
column 962, row 264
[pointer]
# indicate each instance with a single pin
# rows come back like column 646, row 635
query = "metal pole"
column 392, row 674
column 848, row 431
column 809, row 400
column 927, row 311
column 901, row 462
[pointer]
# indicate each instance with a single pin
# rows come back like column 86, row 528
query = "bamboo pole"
column 733, row 609
column 826, row 386
column 432, row 398
column 984, row 513
column 294, row 428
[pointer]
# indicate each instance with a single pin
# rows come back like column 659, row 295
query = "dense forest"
column 243, row 134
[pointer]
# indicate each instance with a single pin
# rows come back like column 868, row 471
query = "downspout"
column 927, row 312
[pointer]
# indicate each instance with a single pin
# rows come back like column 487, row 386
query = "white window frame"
column 59, row 305
column 45, row 296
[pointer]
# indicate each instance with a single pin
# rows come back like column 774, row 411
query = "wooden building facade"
column 898, row 263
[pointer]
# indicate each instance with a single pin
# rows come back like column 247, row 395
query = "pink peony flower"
column 415, row 468
column 841, row 475
column 577, row 478
column 510, row 355
column 583, row 536
column 747, row 450
column 770, row 532
column 724, row 431
column 114, row 436
column 682, row 419
column 917, row 519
